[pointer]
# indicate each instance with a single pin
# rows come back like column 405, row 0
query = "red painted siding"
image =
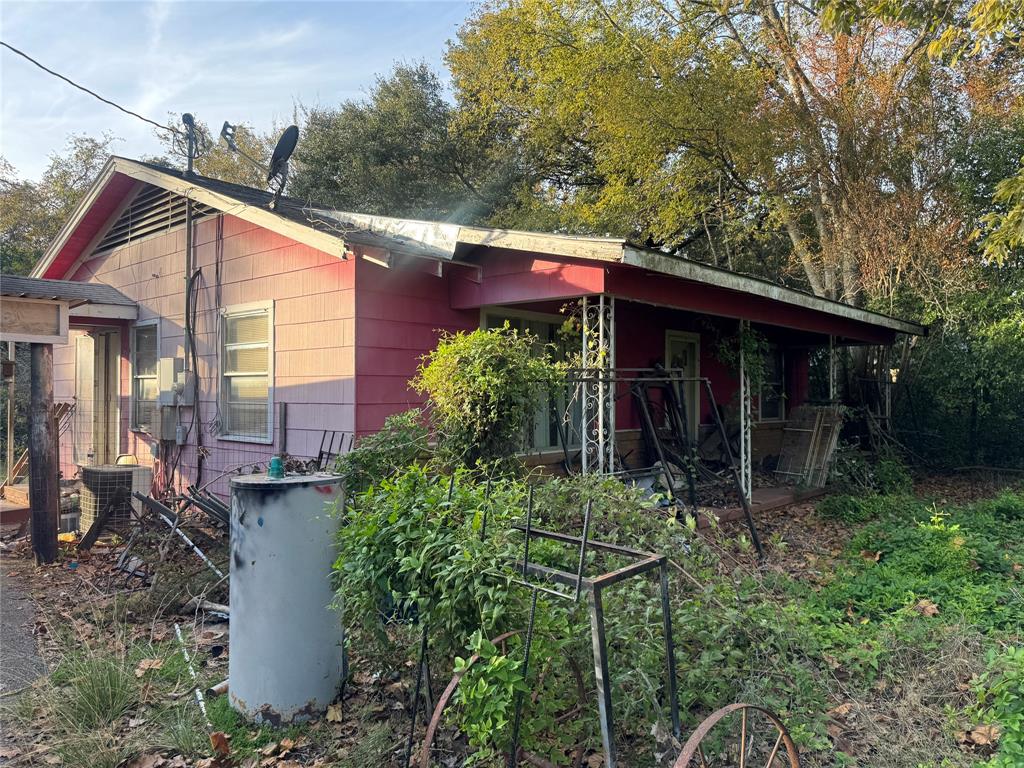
column 400, row 315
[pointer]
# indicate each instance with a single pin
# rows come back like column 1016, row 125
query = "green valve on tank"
column 276, row 469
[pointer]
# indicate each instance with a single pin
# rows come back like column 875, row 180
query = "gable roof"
column 334, row 232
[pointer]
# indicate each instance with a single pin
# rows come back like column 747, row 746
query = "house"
column 263, row 327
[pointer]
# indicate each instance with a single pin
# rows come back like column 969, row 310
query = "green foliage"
column 961, row 560
column 1001, row 702
column 487, row 693
column 99, row 690
column 402, row 151
column 405, row 552
column 31, row 213
column 399, row 443
column 858, row 473
column 483, row 388
column 860, row 509
column 963, row 403
column 245, row 739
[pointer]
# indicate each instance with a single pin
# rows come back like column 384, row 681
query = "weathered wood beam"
column 44, row 493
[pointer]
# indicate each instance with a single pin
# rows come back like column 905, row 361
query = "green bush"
column 408, row 553
column 400, row 442
column 483, row 388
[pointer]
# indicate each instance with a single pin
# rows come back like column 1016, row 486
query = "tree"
column 32, row 213
column 992, row 29
column 750, row 135
column 402, row 151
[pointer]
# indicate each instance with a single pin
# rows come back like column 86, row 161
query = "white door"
column 97, row 398
column 682, row 353
column 107, row 364
column 85, row 401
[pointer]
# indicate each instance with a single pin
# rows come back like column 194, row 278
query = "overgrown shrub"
column 483, row 388
column 406, row 553
column 400, row 442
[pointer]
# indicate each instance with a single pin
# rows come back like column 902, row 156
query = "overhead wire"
column 92, row 93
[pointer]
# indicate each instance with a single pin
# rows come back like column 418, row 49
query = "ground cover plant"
column 875, row 660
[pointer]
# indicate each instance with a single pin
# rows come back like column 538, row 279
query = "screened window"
column 145, row 346
column 556, row 411
column 245, row 365
column 772, row 398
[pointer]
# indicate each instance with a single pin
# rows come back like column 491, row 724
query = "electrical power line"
column 69, row 81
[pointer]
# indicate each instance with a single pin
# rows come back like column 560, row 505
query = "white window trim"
column 243, row 309
column 511, row 311
column 697, row 395
column 132, row 425
column 761, row 419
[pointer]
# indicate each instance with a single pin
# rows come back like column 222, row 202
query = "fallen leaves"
column 146, row 665
column 983, row 736
column 926, row 607
column 220, row 742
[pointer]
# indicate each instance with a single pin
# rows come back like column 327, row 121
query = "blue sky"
column 239, row 61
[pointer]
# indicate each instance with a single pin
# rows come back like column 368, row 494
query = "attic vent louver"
column 153, row 210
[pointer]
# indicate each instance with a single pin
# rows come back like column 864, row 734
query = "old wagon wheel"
column 449, row 692
column 740, row 736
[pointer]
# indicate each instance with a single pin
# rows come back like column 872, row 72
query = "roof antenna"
column 278, row 168
column 192, row 147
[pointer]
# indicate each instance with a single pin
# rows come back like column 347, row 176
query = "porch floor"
column 764, row 499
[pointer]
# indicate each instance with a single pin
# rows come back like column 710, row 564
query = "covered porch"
column 42, row 313
column 688, row 373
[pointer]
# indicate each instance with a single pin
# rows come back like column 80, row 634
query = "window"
column 772, row 398
column 564, row 412
column 246, row 364
column 145, row 351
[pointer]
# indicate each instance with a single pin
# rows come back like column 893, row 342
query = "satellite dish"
column 283, row 151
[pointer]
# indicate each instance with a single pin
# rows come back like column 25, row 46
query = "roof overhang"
column 39, row 310
column 336, row 232
column 704, row 273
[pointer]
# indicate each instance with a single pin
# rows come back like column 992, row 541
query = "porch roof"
column 71, row 291
column 339, row 232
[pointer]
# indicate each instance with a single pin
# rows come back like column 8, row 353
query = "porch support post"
column 42, row 450
column 598, row 358
column 746, row 475
column 831, row 369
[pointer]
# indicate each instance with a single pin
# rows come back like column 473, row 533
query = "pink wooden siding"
column 400, row 314
column 314, row 333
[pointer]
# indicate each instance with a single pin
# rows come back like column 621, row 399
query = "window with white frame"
column 145, row 352
column 246, row 366
column 772, row 397
column 556, row 410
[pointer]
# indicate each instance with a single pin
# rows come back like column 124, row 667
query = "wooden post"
column 42, row 448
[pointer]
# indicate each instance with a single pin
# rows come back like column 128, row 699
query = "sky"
column 244, row 62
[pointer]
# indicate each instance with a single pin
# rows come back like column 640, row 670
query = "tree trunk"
column 44, row 495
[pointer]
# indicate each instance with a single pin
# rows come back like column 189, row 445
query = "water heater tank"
column 285, row 660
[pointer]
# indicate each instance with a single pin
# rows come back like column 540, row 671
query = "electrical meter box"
column 167, row 370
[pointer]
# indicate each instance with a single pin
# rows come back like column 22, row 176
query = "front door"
column 682, row 355
column 97, row 397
